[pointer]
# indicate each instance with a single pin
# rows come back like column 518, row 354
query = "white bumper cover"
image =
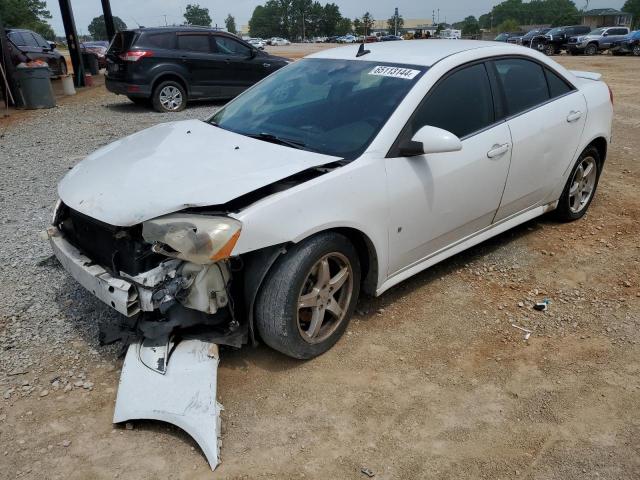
column 184, row 395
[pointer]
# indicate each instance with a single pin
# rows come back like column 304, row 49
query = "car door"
column 243, row 67
column 46, row 53
column 437, row 200
column 195, row 52
column 613, row 35
column 546, row 116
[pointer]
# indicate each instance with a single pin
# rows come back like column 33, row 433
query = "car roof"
column 175, row 29
column 414, row 52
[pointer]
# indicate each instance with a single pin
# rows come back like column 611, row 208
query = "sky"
column 152, row 12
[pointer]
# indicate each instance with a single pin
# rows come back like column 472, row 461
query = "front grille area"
column 118, row 249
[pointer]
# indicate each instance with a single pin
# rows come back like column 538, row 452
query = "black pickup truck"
column 557, row 38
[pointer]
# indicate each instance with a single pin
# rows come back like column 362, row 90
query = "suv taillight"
column 135, row 55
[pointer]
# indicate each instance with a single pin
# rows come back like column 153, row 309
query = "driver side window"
column 461, row 104
column 229, row 46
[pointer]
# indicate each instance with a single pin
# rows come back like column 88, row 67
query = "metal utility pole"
column 108, row 19
column 72, row 41
column 395, row 18
column 165, row 20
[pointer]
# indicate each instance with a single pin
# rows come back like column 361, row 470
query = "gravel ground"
column 430, row 381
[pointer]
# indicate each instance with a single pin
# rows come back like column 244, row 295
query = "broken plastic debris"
column 527, row 333
column 543, row 305
column 182, row 391
column 368, row 472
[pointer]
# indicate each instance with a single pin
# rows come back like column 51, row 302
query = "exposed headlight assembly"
column 194, row 238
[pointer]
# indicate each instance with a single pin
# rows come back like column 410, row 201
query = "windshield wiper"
column 269, row 137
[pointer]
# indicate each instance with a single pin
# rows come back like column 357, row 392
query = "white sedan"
column 346, row 172
column 279, row 42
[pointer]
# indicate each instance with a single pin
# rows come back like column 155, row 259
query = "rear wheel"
column 581, row 186
column 169, row 96
column 308, row 297
column 591, row 49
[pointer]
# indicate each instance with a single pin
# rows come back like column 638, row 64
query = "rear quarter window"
column 557, row 86
column 164, row 40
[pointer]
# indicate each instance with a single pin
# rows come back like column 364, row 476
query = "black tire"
column 142, row 101
column 564, row 212
column 550, row 50
column 591, row 49
column 636, row 50
column 277, row 312
column 157, row 93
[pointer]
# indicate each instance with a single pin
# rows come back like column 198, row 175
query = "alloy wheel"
column 583, row 184
column 170, row 97
column 325, row 297
column 636, row 50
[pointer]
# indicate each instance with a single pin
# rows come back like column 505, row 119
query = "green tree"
column 509, row 25
column 357, row 26
column 230, row 23
column 394, row 24
column 31, row 14
column 98, row 29
column 197, row 15
column 633, row 7
column 331, row 19
column 343, row 27
column 367, row 23
column 469, row 26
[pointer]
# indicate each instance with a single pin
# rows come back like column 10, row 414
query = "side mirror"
column 52, row 45
column 254, row 52
column 431, row 140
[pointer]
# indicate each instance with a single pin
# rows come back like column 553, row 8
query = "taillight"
column 135, row 55
column 610, row 94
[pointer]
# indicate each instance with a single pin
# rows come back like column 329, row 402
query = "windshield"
column 556, row 31
column 597, row 31
column 334, row 107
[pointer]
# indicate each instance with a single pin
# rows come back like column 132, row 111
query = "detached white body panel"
column 185, row 395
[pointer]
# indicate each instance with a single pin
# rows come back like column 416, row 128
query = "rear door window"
column 524, row 84
column 41, row 41
column 29, row 40
column 618, row 31
column 462, row 103
column 228, row 46
column 194, row 43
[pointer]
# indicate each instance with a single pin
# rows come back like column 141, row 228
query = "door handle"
column 266, row 65
column 574, row 116
column 498, row 150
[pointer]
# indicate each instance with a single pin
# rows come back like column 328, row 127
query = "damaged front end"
column 171, row 277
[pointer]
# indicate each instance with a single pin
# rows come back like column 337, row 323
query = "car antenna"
column 362, row 51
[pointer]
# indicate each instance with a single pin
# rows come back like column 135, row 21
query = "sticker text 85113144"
column 394, row 72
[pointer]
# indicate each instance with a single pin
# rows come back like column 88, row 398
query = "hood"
column 173, row 166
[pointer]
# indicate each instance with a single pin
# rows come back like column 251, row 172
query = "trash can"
column 90, row 62
column 34, row 84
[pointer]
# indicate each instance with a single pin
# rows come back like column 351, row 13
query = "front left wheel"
column 308, row 297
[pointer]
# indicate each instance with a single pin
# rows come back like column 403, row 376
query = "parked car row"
column 576, row 40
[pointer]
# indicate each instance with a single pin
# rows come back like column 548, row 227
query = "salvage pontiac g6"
column 348, row 171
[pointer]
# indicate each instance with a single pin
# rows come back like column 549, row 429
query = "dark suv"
column 557, row 38
column 172, row 65
column 25, row 45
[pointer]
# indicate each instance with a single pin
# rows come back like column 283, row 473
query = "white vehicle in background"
column 257, row 42
column 451, row 34
column 279, row 42
column 348, row 171
column 347, row 39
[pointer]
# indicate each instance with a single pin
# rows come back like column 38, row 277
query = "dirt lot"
column 431, row 380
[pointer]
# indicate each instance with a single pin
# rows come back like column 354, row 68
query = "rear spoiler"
column 587, row 75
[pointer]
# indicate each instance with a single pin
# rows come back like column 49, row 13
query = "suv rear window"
column 122, row 41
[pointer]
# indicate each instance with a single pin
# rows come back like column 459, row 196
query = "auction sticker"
column 394, row 72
